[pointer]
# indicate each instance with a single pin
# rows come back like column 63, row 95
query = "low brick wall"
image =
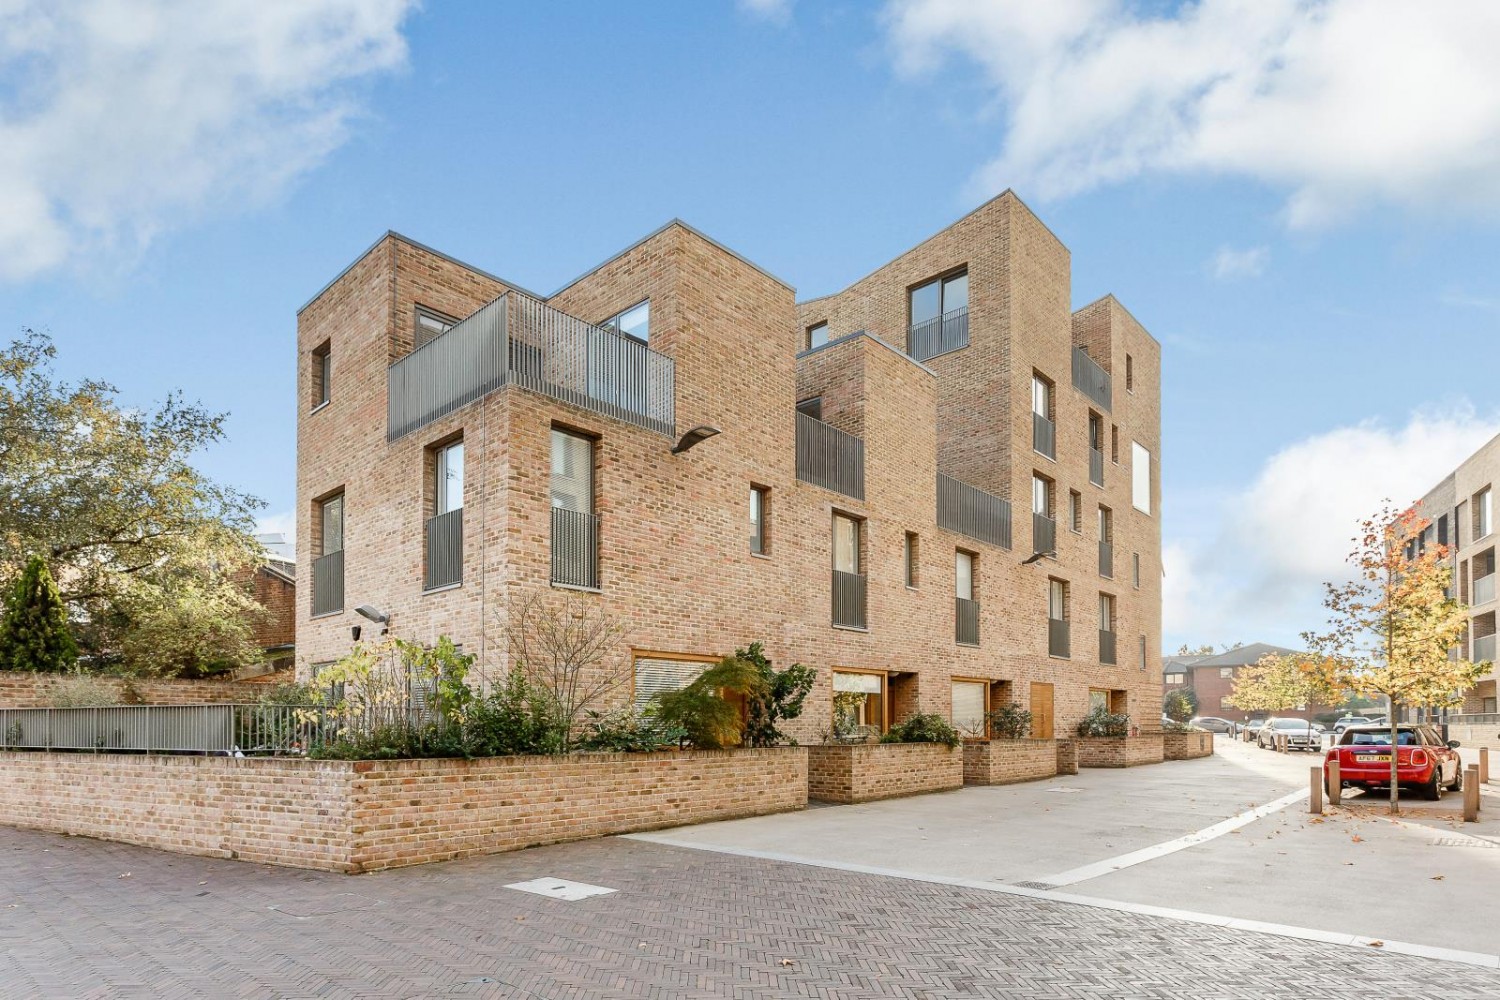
column 356, row 816
column 1123, row 751
column 1005, row 762
column 24, row 690
column 1186, row 746
column 1472, row 737
column 1067, row 756
column 862, row 772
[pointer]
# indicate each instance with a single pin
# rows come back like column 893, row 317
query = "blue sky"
column 1317, row 254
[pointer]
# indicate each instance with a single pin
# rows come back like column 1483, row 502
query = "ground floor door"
column 1041, row 710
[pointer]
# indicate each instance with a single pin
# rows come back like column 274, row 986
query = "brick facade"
column 21, row 690
column 675, row 563
column 1186, row 746
column 344, row 816
column 1004, row 762
column 1123, row 751
column 863, row 772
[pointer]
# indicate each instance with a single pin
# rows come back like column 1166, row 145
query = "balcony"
column 1107, row 646
column 1484, row 589
column 518, row 340
column 1057, row 637
column 1043, row 436
column 1107, row 559
column 1043, row 534
column 966, row 621
column 971, row 511
column 1096, row 466
column 830, row 458
column 328, row 584
column 849, row 599
column 575, row 549
column 1090, row 379
column 1484, row 650
column 938, row 335
column 445, row 551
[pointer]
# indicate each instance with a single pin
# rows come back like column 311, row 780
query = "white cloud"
column 1256, row 573
column 1229, row 263
column 1340, row 103
column 120, row 119
column 775, row 11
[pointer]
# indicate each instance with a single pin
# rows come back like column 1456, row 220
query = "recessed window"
column 1041, row 397
column 964, row 575
column 845, row 544
column 1075, row 511
column 1226, row 673
column 328, row 563
column 909, row 557
column 1140, row 478
column 575, row 528
column 939, row 297
column 1484, row 514
column 811, row 407
column 448, row 478
column 1106, row 613
column 444, row 556
column 817, row 335
column 430, row 325
column 1041, row 495
column 759, row 509
column 858, row 704
column 970, row 706
column 322, row 373
column 1129, row 374
column 939, row 316
column 1057, row 600
column 1135, row 569
column 1114, row 444
column 634, row 322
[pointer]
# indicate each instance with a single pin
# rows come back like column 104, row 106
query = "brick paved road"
column 684, row 924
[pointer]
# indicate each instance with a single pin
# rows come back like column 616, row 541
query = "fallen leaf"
column 1438, row 878
column 1376, row 944
column 786, row 962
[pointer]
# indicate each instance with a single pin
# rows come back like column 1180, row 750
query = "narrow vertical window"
column 845, row 544
column 1106, row 628
column 759, row 497
column 322, row 373
column 1075, row 511
column 1484, row 514
column 848, row 580
column 1096, row 449
column 331, row 512
column 328, row 563
column 445, row 530
column 1058, row 641
column 448, row 478
column 1043, row 429
column 909, row 558
column 964, row 576
column 1114, row 444
column 1140, row 478
column 1135, row 569
column 575, row 527
column 1129, row 374
column 817, row 335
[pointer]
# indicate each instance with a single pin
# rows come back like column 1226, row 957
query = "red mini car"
column 1423, row 761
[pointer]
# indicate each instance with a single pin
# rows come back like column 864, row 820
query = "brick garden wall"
column 1476, row 736
column 356, row 816
column 1126, row 751
column 862, row 772
column 1186, row 746
column 22, row 690
column 1067, row 756
column 1004, row 762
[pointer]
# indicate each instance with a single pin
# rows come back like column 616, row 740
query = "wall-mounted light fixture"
column 695, row 436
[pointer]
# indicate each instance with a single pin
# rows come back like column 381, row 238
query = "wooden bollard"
column 1484, row 765
column 1315, row 791
column 1471, row 795
column 1335, row 789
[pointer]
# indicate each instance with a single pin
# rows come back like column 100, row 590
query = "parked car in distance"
column 1300, row 734
column 1350, row 720
column 1380, row 720
column 1213, row 724
column 1423, row 761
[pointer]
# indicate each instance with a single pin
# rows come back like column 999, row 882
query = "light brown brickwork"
column 363, row 816
column 20, row 690
column 675, row 562
column 1123, row 751
column 1185, row 746
column 863, row 772
column 1067, row 756
column 1004, row 762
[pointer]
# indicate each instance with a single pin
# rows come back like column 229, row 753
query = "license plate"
column 1374, row 758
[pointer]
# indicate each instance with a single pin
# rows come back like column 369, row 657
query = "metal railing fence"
column 191, row 729
column 328, row 583
column 1107, row 559
column 966, row 621
column 829, row 457
column 575, row 548
column 1043, row 533
column 1106, row 646
column 1096, row 466
column 849, row 599
column 971, row 511
column 1090, row 378
column 1043, row 436
column 1057, row 637
column 938, row 335
column 445, row 550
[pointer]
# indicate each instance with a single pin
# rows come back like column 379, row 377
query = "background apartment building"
column 938, row 487
column 1462, row 511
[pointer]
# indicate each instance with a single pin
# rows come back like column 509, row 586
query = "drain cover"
column 561, row 888
column 1035, row 885
column 1463, row 842
column 1062, row 788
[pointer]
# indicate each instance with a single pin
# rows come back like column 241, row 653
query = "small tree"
column 34, row 632
column 1390, row 629
column 710, row 721
column 1181, row 705
column 572, row 651
column 1010, row 722
column 1278, row 683
column 785, row 691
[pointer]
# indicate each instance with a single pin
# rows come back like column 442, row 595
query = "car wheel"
column 1433, row 790
column 1458, row 779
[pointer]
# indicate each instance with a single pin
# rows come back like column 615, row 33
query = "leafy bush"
column 1010, row 722
column 1181, row 705
column 1103, row 722
column 1180, row 727
column 923, row 729
column 34, row 632
column 701, row 711
column 781, row 698
column 77, row 689
column 515, row 718
column 628, row 731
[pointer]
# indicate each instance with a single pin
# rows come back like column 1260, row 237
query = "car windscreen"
column 1405, row 738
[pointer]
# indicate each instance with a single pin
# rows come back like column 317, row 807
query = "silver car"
column 1300, row 734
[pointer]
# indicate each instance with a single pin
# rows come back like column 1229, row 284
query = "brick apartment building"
column 1462, row 511
column 938, row 487
column 1212, row 676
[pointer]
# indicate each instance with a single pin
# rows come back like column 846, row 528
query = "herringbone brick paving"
column 81, row 918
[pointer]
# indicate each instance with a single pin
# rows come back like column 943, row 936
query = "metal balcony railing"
column 445, row 550
column 328, row 584
column 575, row 548
column 1057, row 637
column 966, row 621
column 971, row 511
column 1107, row 559
column 1106, row 646
column 1091, row 379
column 1484, row 589
column 517, row 339
column 849, row 599
column 1043, row 533
column 830, row 458
column 1096, row 466
column 201, row 729
column 938, row 335
column 1043, row 436
column 1484, row 650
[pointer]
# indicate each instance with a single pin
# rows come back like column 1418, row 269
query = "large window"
column 858, row 704
column 817, row 335
column 970, row 706
column 1140, row 478
column 429, row 325
column 759, row 510
column 939, row 297
column 634, row 322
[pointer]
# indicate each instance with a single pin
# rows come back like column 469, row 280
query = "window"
column 448, row 479
column 1442, row 530
column 759, row 508
column 817, row 335
column 964, row 575
column 848, row 581
column 1484, row 520
column 1041, row 495
column 845, row 544
column 1226, row 673
column 429, row 325
column 1075, row 511
column 1135, row 569
column 1106, row 525
column 939, row 311
column 634, row 322
column 1041, row 397
column 1106, row 613
column 1114, row 444
column 331, row 522
column 1098, row 700
column 1129, row 373
column 657, row 674
column 858, row 704
column 1059, row 642
column 1057, row 600
column 328, row 564
column 970, row 705
column 939, row 297
column 1143, row 652
column 909, row 557
column 811, row 407
column 1043, row 430
column 1140, row 478
column 575, row 529
column 322, row 373
column 572, row 472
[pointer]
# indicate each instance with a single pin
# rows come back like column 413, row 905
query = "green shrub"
column 515, row 718
column 1103, row 722
column 700, row 710
column 1010, row 722
column 782, row 697
column 628, row 731
column 923, row 729
column 77, row 689
column 34, row 632
column 1180, row 705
